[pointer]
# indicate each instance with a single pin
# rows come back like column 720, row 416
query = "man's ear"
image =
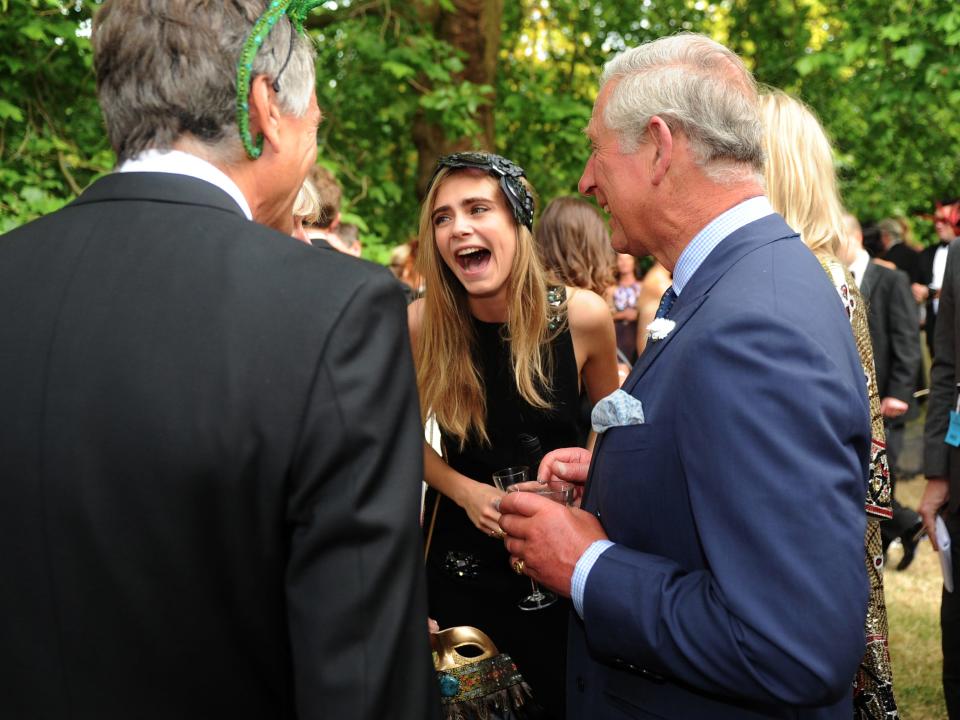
column 264, row 112
column 336, row 222
column 662, row 139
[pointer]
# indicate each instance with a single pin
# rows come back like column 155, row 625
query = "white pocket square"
column 617, row 409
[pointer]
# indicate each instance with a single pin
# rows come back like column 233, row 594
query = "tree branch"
column 66, row 174
column 319, row 21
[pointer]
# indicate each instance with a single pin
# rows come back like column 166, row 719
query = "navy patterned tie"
column 666, row 302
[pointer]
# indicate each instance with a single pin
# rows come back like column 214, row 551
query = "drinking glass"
column 514, row 479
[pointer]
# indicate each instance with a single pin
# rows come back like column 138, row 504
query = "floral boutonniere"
column 659, row 329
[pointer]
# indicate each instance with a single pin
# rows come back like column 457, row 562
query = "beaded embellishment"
column 461, row 565
column 296, row 11
column 556, row 295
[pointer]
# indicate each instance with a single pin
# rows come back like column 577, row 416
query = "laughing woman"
column 500, row 358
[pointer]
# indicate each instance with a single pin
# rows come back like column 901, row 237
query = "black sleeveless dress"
column 469, row 578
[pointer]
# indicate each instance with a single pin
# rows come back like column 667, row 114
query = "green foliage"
column 376, row 77
column 884, row 76
column 51, row 137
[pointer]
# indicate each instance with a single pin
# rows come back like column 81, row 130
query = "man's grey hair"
column 892, row 229
column 697, row 86
column 167, row 69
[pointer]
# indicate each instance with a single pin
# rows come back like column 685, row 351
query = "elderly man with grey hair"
column 210, row 449
column 716, row 562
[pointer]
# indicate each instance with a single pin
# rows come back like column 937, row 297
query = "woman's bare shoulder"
column 586, row 309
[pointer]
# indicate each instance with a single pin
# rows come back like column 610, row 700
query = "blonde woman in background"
column 306, row 210
column 499, row 353
column 802, row 186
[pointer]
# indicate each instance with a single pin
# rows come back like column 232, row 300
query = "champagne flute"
column 514, row 479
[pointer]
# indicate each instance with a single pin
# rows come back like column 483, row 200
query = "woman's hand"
column 479, row 500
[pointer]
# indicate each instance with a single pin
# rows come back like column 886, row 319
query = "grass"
column 913, row 609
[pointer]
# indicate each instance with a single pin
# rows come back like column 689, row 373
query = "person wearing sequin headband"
column 499, row 355
column 212, row 455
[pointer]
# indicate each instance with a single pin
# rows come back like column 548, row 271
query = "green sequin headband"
column 296, row 11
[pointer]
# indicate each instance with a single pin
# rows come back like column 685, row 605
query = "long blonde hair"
column 448, row 377
column 801, row 180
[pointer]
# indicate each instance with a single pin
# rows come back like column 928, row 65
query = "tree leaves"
column 883, row 75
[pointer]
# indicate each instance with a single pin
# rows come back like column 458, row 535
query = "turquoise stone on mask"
column 449, row 686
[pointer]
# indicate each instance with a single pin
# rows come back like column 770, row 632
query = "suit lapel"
column 724, row 256
column 869, row 280
column 682, row 311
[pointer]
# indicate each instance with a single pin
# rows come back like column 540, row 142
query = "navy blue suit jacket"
column 737, row 587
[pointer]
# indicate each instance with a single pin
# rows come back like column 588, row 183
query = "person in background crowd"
column 573, row 245
column 306, row 210
column 906, row 232
column 501, row 356
column 895, row 337
column 656, row 280
column 802, row 184
column 871, row 241
column 895, row 250
column 933, row 262
column 716, row 566
column 623, row 298
column 210, row 449
column 403, row 264
column 348, row 239
column 941, row 456
column 324, row 229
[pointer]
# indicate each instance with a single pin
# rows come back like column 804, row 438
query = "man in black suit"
column 210, row 451
column 941, row 457
column 895, row 336
column 895, row 250
column 931, row 265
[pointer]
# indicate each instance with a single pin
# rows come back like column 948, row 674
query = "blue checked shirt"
column 689, row 261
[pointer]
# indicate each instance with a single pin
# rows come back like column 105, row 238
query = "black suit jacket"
column 906, row 259
column 925, row 264
column 925, row 277
column 210, row 467
column 940, row 459
column 894, row 330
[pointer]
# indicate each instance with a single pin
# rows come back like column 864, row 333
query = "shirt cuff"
column 578, row 583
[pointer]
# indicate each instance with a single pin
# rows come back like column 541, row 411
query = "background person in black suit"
column 942, row 467
column 931, row 265
column 210, row 451
column 895, row 336
column 895, row 250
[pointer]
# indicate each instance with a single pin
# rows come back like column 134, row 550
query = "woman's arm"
column 655, row 283
column 594, row 342
column 474, row 497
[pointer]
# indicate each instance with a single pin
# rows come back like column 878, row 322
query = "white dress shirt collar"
column 859, row 266
column 716, row 230
column 178, row 162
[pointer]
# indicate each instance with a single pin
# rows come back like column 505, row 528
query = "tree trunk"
column 474, row 29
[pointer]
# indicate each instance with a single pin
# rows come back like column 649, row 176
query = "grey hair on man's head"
column 697, row 86
column 892, row 228
column 167, row 69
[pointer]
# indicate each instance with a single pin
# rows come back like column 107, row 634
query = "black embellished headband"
column 508, row 173
column 296, row 11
